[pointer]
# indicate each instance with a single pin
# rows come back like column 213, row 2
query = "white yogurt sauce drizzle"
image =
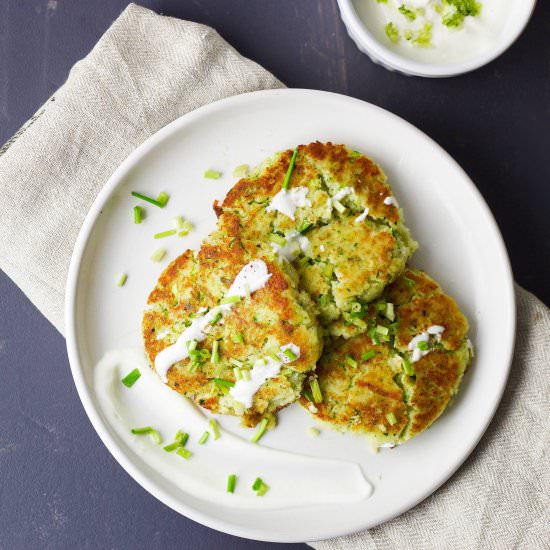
column 251, row 278
column 362, row 217
column 295, row 243
column 417, row 353
column 344, row 192
column 390, row 201
column 287, row 200
column 244, row 390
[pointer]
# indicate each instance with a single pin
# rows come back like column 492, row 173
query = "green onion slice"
column 262, row 490
column 391, row 419
column 151, row 432
column 277, row 239
column 237, row 338
column 305, row 227
column 257, row 484
column 241, row 171
column 368, row 355
column 215, row 428
column 316, row 390
column 163, row 234
column 217, row 317
column 231, row 482
column 224, row 384
column 290, row 354
column 157, row 202
column 138, row 214
column 122, row 279
column 351, row 361
column 424, row 346
column 286, row 181
column 204, row 438
column 131, row 378
column 407, row 367
column 260, row 431
column 184, row 453
column 212, row 174
column 236, row 362
column 158, row 255
column 163, row 199
column 230, row 300
column 215, row 355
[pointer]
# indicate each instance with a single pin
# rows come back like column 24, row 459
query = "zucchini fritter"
column 346, row 235
column 393, row 381
column 256, row 327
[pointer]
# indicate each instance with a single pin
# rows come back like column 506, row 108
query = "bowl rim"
column 359, row 32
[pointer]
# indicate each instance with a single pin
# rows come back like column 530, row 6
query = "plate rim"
column 71, row 332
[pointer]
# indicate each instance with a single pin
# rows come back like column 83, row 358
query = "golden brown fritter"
column 374, row 383
column 275, row 315
column 354, row 240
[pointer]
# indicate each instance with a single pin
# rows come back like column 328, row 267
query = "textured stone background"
column 59, row 487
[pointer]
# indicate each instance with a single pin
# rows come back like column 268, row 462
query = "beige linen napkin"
column 146, row 71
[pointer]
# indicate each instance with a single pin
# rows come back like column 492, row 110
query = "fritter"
column 336, row 221
column 393, row 381
column 230, row 340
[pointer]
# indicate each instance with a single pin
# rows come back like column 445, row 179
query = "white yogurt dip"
column 476, row 35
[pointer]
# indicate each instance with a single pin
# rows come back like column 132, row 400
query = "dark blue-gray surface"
column 59, row 487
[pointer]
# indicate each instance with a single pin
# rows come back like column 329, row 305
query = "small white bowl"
column 381, row 54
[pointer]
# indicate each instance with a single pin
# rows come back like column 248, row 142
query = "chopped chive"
column 182, row 437
column 407, row 367
column 382, row 330
column 215, row 354
column 338, row 206
column 185, row 228
column 184, row 453
column 230, row 300
column 262, row 490
column 138, row 214
column 257, row 484
column 204, row 438
column 277, row 239
column 391, row 418
column 236, row 362
column 212, row 174
column 172, row 447
column 158, row 255
column 217, row 317
column 260, row 431
column 351, row 361
column 238, row 374
column 368, row 355
column 355, row 154
column 191, row 345
column 390, row 312
column 373, row 336
column 305, row 227
column 177, row 222
column 290, row 354
column 241, row 171
column 163, row 199
column 131, row 378
column 151, row 432
column 307, row 395
column 424, row 346
column 286, row 181
column 274, row 356
column 158, row 203
column 215, row 428
column 163, row 234
column 122, row 279
column 237, row 338
column 316, row 390
column 221, row 383
column 231, row 482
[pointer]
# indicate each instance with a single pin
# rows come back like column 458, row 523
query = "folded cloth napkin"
column 146, row 71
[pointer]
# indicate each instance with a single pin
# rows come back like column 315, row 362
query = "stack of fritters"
column 338, row 260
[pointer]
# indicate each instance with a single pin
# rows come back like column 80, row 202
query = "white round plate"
column 461, row 247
